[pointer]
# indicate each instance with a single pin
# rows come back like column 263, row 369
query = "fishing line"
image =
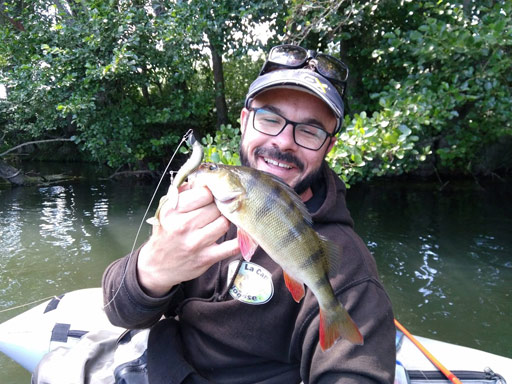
column 183, row 139
column 26, row 305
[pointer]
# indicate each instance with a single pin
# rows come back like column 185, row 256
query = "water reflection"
column 444, row 257
column 426, row 273
column 61, row 237
column 100, row 213
column 57, row 216
column 10, row 228
column 100, row 207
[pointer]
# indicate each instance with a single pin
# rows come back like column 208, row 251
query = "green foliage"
column 438, row 70
column 456, row 94
column 239, row 74
column 223, row 147
column 114, row 73
column 430, row 80
column 372, row 146
column 127, row 78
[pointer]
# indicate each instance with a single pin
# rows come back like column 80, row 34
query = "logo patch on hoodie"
column 253, row 283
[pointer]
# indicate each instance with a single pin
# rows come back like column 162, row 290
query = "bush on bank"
column 430, row 82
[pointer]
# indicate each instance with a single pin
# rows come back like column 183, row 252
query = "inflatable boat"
column 63, row 320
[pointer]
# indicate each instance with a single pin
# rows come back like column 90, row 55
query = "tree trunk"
column 220, row 94
column 11, row 174
column 17, row 178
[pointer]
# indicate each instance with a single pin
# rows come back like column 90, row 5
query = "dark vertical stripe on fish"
column 323, row 283
column 268, row 203
column 252, row 182
column 294, row 233
column 315, row 257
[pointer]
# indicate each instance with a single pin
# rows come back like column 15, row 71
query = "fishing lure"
column 172, row 194
column 186, row 169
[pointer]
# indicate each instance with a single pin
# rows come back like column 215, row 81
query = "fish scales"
column 271, row 211
column 277, row 214
column 294, row 236
column 270, row 214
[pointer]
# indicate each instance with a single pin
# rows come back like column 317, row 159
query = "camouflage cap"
column 302, row 79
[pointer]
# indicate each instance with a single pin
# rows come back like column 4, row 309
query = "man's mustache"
column 276, row 154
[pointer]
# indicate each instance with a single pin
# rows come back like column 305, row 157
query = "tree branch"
column 15, row 23
column 34, row 142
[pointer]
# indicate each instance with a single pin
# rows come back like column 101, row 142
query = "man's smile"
column 276, row 163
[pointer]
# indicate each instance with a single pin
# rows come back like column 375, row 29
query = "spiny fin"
column 246, row 243
column 295, row 287
column 335, row 325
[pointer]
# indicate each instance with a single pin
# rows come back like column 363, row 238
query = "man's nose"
column 285, row 140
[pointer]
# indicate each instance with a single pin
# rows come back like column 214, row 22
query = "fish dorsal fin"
column 294, row 197
column 333, row 256
column 246, row 243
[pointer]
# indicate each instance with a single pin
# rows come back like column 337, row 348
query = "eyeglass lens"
column 331, row 67
column 305, row 135
column 291, row 55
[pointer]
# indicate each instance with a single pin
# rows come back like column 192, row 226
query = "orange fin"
column 246, row 243
column 296, row 288
column 339, row 324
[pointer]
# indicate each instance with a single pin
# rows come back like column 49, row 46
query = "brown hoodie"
column 250, row 330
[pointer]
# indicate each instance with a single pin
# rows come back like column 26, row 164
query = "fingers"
column 194, row 198
column 218, row 252
column 213, row 254
column 194, row 226
column 184, row 245
column 195, row 210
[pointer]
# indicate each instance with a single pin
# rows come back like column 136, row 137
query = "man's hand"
column 184, row 246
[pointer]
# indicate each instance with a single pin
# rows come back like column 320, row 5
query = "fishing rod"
column 450, row 376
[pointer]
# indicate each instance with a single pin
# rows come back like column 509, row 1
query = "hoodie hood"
column 334, row 207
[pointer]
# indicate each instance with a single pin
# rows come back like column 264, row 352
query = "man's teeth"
column 276, row 163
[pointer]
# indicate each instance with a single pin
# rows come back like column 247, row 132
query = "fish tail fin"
column 336, row 324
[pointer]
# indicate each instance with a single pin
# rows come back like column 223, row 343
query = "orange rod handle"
column 434, row 361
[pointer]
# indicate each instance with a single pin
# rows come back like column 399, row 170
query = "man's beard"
column 276, row 154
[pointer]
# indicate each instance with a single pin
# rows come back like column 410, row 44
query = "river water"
column 444, row 254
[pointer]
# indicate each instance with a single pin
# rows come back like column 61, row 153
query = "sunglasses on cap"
column 294, row 56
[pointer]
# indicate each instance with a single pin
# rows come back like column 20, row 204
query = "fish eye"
column 213, row 167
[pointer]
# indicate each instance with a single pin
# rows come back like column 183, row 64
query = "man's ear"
column 331, row 144
column 244, row 116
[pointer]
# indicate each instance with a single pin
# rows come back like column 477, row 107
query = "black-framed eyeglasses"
column 305, row 135
column 294, row 56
